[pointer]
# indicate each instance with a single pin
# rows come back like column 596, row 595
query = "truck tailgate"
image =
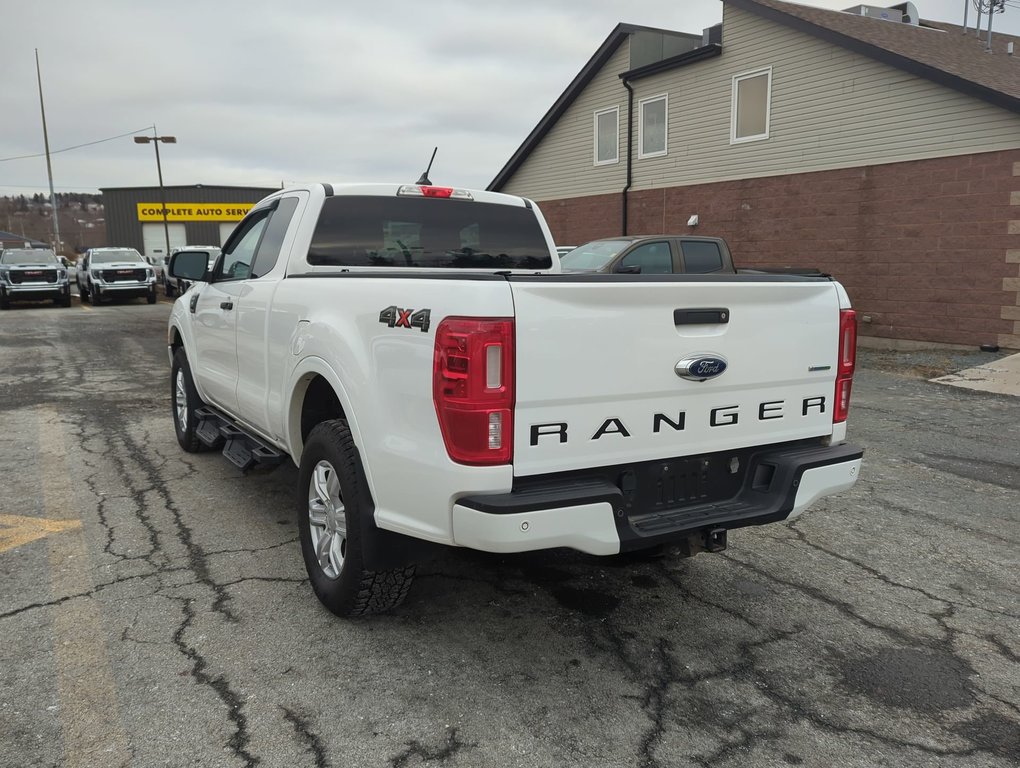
column 596, row 358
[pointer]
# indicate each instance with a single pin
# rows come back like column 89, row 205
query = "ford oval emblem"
column 701, row 368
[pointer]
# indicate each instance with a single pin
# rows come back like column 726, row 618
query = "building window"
column 607, row 136
column 752, row 94
column 652, row 126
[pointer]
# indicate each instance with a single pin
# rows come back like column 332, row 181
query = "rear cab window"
column 701, row 256
column 411, row 232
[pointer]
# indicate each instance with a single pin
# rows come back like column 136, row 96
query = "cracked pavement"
column 175, row 626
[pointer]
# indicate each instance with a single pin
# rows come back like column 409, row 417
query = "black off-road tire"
column 190, row 400
column 355, row 590
column 5, row 303
column 151, row 297
column 64, row 301
column 95, row 298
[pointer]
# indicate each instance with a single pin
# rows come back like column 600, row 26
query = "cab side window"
column 240, row 253
column 653, row 258
column 269, row 249
column 701, row 256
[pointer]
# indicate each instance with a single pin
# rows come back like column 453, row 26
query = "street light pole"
column 49, row 168
column 159, row 170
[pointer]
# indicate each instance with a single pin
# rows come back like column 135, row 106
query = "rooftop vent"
column 904, row 13
column 910, row 14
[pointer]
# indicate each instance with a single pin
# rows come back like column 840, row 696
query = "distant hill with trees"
column 81, row 215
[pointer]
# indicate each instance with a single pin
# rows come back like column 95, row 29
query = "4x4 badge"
column 398, row 317
column 701, row 368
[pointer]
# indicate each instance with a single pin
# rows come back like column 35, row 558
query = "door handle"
column 699, row 316
column 226, row 305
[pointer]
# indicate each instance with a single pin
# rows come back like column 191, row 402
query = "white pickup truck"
column 417, row 353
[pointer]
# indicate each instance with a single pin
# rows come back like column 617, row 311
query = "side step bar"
column 242, row 449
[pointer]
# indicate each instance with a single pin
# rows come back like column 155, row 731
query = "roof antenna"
column 424, row 178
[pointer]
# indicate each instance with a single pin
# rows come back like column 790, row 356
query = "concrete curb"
column 1001, row 377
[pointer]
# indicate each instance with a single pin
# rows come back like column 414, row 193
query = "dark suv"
column 32, row 274
column 105, row 273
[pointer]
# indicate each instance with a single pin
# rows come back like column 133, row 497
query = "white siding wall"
column 831, row 108
column 563, row 163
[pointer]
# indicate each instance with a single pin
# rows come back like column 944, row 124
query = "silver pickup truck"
column 32, row 274
column 107, row 273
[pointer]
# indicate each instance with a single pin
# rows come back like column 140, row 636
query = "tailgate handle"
column 701, row 316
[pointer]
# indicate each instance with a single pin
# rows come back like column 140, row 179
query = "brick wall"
column 929, row 250
column 577, row 220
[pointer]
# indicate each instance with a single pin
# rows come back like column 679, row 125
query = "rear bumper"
column 598, row 515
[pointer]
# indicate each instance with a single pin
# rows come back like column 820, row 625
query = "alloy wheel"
column 181, row 401
column 327, row 521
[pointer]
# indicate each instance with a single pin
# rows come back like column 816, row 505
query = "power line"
column 76, row 146
column 82, row 189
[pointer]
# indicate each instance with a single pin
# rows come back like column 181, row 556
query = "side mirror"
column 189, row 265
column 633, row 269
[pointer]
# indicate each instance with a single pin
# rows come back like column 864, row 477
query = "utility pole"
column 49, row 167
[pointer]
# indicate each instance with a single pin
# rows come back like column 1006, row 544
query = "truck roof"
column 394, row 189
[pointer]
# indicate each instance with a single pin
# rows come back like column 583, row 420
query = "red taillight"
column 845, row 363
column 437, row 191
column 424, row 190
column 473, row 388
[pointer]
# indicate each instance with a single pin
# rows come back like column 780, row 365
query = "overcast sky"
column 259, row 93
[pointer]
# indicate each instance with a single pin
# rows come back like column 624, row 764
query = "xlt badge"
column 701, row 367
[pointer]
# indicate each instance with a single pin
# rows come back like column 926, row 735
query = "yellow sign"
column 16, row 530
column 194, row 211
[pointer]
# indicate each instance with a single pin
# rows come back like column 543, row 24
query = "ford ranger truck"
column 419, row 356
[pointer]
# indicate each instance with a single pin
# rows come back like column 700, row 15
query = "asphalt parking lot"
column 154, row 609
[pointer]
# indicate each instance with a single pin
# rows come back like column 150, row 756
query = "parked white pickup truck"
column 417, row 353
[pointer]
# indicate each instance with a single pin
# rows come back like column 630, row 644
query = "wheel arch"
column 175, row 340
column 317, row 395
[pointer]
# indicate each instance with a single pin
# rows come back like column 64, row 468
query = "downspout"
column 630, row 136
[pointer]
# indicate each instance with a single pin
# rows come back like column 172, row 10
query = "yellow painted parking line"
column 90, row 722
column 16, row 530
